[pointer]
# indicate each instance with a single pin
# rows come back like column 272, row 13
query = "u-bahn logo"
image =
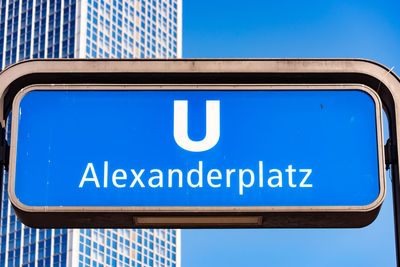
column 181, row 126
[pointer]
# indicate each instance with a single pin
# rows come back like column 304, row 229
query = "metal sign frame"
column 209, row 71
column 364, row 214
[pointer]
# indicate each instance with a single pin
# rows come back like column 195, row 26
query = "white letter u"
column 181, row 126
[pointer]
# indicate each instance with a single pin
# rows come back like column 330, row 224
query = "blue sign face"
column 187, row 148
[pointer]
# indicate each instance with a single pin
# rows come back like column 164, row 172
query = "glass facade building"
column 87, row 29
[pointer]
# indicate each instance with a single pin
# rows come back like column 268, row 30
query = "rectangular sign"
column 185, row 149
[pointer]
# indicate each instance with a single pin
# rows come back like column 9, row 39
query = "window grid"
column 114, row 28
column 123, row 247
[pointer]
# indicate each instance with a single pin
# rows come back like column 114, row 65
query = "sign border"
column 375, row 205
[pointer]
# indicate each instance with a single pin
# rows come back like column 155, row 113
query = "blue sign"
column 204, row 148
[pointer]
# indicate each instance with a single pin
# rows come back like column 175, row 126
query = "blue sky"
column 293, row 29
column 243, row 29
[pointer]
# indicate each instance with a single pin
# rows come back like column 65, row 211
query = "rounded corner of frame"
column 17, row 203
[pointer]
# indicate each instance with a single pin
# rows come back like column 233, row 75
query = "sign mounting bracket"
column 4, row 150
column 390, row 154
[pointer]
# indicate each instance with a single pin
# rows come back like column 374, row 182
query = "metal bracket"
column 390, row 154
column 4, row 149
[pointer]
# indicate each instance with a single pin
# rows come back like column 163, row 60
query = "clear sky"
column 293, row 29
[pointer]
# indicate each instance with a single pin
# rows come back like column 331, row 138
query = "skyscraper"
column 87, row 29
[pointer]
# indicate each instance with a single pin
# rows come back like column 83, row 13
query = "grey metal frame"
column 209, row 71
column 375, row 205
